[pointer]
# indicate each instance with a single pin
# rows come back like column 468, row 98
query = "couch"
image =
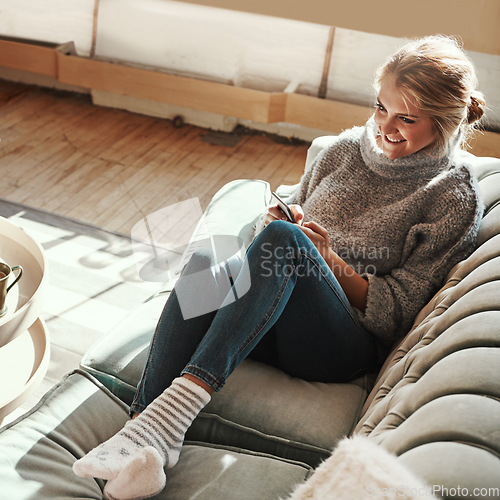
column 435, row 404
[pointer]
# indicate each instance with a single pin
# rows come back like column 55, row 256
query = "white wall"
column 248, row 50
column 56, row 21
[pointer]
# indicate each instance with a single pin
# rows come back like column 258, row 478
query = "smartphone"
column 284, row 208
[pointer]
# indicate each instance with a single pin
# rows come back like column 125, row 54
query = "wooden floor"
column 61, row 153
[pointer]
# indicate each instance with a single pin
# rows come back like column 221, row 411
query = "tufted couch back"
column 437, row 399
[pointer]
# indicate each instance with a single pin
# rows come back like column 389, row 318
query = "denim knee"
column 284, row 234
column 280, row 228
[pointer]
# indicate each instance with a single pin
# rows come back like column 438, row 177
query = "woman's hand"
column 275, row 213
column 319, row 236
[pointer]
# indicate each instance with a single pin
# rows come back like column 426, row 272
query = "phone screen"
column 284, row 208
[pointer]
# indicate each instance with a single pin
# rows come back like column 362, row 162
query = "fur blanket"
column 359, row 469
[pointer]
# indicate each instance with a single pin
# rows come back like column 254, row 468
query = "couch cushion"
column 471, row 472
column 117, row 359
column 208, row 472
column 261, row 408
column 38, row 450
column 233, row 211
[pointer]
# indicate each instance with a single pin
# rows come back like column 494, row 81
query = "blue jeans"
column 294, row 316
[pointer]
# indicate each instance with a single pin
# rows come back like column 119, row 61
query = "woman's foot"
column 142, row 477
column 161, row 426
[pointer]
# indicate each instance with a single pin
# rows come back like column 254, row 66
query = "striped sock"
column 162, row 426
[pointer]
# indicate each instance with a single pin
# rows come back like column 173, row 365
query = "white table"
column 24, row 340
column 23, row 364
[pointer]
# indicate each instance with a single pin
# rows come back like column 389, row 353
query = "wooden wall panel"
column 162, row 87
column 324, row 114
column 35, row 58
column 226, row 100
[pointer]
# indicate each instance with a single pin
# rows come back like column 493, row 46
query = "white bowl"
column 24, row 305
column 23, row 364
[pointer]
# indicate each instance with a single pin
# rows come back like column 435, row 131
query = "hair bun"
column 475, row 110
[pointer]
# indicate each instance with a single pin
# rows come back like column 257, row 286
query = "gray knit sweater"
column 402, row 224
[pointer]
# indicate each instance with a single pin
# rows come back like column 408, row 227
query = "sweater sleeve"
column 446, row 236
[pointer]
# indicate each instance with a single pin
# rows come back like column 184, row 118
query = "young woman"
column 382, row 216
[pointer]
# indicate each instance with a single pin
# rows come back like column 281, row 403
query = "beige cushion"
column 37, row 453
column 207, row 472
column 261, row 408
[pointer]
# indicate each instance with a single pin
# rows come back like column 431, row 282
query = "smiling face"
column 403, row 129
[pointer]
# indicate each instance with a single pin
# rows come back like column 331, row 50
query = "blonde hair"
column 437, row 77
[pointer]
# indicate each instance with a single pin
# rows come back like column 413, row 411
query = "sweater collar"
column 422, row 164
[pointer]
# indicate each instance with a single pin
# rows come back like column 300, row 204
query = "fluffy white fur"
column 359, row 469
